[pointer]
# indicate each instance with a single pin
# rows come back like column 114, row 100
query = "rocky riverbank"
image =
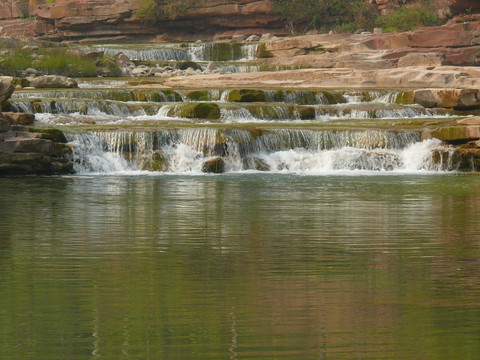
column 26, row 151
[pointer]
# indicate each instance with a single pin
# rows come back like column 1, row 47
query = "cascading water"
column 162, row 130
column 291, row 151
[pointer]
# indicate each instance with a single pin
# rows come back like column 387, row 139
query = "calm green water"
column 240, row 267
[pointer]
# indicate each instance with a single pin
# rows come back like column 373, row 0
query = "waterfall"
column 167, row 53
column 292, row 151
column 222, row 52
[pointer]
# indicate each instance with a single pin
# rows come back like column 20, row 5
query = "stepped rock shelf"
column 109, row 128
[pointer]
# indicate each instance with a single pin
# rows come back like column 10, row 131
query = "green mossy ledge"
column 246, row 95
column 209, row 111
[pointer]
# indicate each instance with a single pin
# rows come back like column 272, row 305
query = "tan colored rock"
column 19, row 118
column 475, row 120
column 447, row 98
column 5, row 11
column 420, row 59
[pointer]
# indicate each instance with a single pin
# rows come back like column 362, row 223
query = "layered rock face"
column 71, row 19
column 23, row 152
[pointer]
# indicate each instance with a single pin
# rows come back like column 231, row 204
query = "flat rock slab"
column 470, row 121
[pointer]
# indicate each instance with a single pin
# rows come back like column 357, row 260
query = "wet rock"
column 4, row 125
column 306, row 113
column 19, row 118
column 159, row 161
column 6, row 90
column 53, row 81
column 188, row 64
column 209, row 111
column 29, row 145
column 214, row 166
column 255, row 163
column 456, row 133
column 54, row 135
column 246, row 95
column 198, row 95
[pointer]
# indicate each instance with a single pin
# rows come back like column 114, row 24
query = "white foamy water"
column 292, row 152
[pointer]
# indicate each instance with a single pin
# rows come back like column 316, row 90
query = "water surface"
column 240, row 266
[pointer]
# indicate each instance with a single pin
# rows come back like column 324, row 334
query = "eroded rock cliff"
column 74, row 19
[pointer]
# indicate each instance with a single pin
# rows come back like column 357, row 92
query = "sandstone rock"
column 28, row 145
column 190, row 72
column 215, row 166
column 457, row 133
column 4, row 125
column 253, row 38
column 475, row 120
column 19, row 118
column 140, row 71
column 448, row 98
column 419, row 59
column 6, row 90
column 31, row 71
column 53, row 81
column 238, row 38
column 210, row 67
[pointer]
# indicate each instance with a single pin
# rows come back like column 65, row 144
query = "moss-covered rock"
column 198, row 95
column 405, row 98
column 262, row 52
column 19, row 118
column 334, row 97
column 209, row 111
column 306, row 112
column 23, row 82
column 246, row 95
column 184, row 65
column 50, row 134
column 159, row 161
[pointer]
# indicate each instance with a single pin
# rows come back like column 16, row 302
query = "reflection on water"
column 240, row 267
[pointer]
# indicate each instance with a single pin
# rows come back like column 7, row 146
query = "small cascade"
column 222, row 52
column 165, row 53
column 293, row 151
column 302, row 97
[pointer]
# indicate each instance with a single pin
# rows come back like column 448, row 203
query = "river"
column 240, row 266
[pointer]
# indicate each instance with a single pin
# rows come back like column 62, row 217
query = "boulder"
column 448, row 98
column 26, row 145
column 4, row 125
column 6, row 90
column 253, row 38
column 214, row 166
column 475, row 120
column 53, row 81
column 19, row 118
